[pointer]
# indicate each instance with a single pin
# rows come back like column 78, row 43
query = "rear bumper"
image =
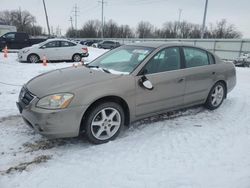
column 85, row 54
column 53, row 123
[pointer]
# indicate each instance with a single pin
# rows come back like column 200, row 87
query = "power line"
column 71, row 22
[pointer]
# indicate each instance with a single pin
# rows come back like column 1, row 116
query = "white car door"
column 68, row 49
column 50, row 50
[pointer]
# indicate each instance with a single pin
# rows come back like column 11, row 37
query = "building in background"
column 6, row 28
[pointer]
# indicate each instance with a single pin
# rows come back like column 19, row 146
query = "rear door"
column 200, row 74
column 165, row 73
column 21, row 40
column 67, row 50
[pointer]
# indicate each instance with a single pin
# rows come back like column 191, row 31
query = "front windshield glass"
column 122, row 60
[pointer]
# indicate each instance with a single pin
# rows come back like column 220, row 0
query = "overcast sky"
column 131, row 12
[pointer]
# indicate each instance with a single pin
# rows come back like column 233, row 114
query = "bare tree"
column 144, row 29
column 170, row 29
column 111, row 29
column 224, row 30
column 125, row 32
column 6, row 17
column 23, row 20
column 91, row 29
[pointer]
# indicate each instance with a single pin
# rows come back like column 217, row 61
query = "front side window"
column 195, row 57
column 165, row 60
column 124, row 59
column 10, row 36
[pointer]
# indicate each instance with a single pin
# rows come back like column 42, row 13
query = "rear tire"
column 104, row 122
column 76, row 57
column 216, row 96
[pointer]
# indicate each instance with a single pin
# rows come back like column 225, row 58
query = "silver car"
column 123, row 85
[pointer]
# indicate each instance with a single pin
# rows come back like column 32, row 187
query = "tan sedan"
column 123, row 85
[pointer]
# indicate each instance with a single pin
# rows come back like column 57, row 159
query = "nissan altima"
column 124, row 85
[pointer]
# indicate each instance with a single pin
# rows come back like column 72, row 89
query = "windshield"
column 122, row 60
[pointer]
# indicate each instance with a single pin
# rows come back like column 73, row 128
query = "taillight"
column 85, row 49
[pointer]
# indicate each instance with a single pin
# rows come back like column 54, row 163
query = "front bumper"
column 21, row 57
column 53, row 123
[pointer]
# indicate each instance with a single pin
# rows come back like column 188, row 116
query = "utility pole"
column 102, row 17
column 179, row 22
column 204, row 20
column 76, row 15
column 71, row 22
column 46, row 15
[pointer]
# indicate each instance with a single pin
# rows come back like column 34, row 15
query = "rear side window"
column 195, row 57
column 67, row 44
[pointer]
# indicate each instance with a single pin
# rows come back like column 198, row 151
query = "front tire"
column 216, row 96
column 104, row 122
column 33, row 58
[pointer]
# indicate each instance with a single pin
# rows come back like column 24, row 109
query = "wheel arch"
column 111, row 98
column 221, row 81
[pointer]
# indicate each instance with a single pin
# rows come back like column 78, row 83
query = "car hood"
column 66, row 80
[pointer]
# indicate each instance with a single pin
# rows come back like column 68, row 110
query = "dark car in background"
column 89, row 42
column 108, row 44
column 18, row 40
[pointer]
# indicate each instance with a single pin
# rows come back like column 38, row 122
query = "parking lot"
column 188, row 148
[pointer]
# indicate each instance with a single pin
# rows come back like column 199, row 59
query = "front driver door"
column 51, row 50
column 165, row 73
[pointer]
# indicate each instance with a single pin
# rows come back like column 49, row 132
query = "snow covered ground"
column 193, row 148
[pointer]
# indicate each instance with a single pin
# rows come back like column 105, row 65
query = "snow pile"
column 193, row 148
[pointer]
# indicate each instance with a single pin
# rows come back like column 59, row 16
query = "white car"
column 53, row 50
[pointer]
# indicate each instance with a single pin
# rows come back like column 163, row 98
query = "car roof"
column 61, row 39
column 162, row 44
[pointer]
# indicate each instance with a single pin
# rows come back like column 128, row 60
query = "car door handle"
column 213, row 73
column 181, row 80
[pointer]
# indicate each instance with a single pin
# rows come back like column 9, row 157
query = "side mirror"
column 42, row 47
column 145, row 83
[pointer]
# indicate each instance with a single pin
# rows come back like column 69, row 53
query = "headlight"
column 55, row 101
column 25, row 51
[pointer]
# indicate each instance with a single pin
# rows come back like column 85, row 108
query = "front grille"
column 25, row 96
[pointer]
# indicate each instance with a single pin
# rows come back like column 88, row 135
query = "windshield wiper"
column 105, row 70
column 95, row 66
column 92, row 66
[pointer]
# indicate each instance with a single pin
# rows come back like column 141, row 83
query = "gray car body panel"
column 172, row 90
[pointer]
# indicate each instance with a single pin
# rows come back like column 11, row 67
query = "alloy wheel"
column 106, row 123
column 33, row 59
column 217, row 95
